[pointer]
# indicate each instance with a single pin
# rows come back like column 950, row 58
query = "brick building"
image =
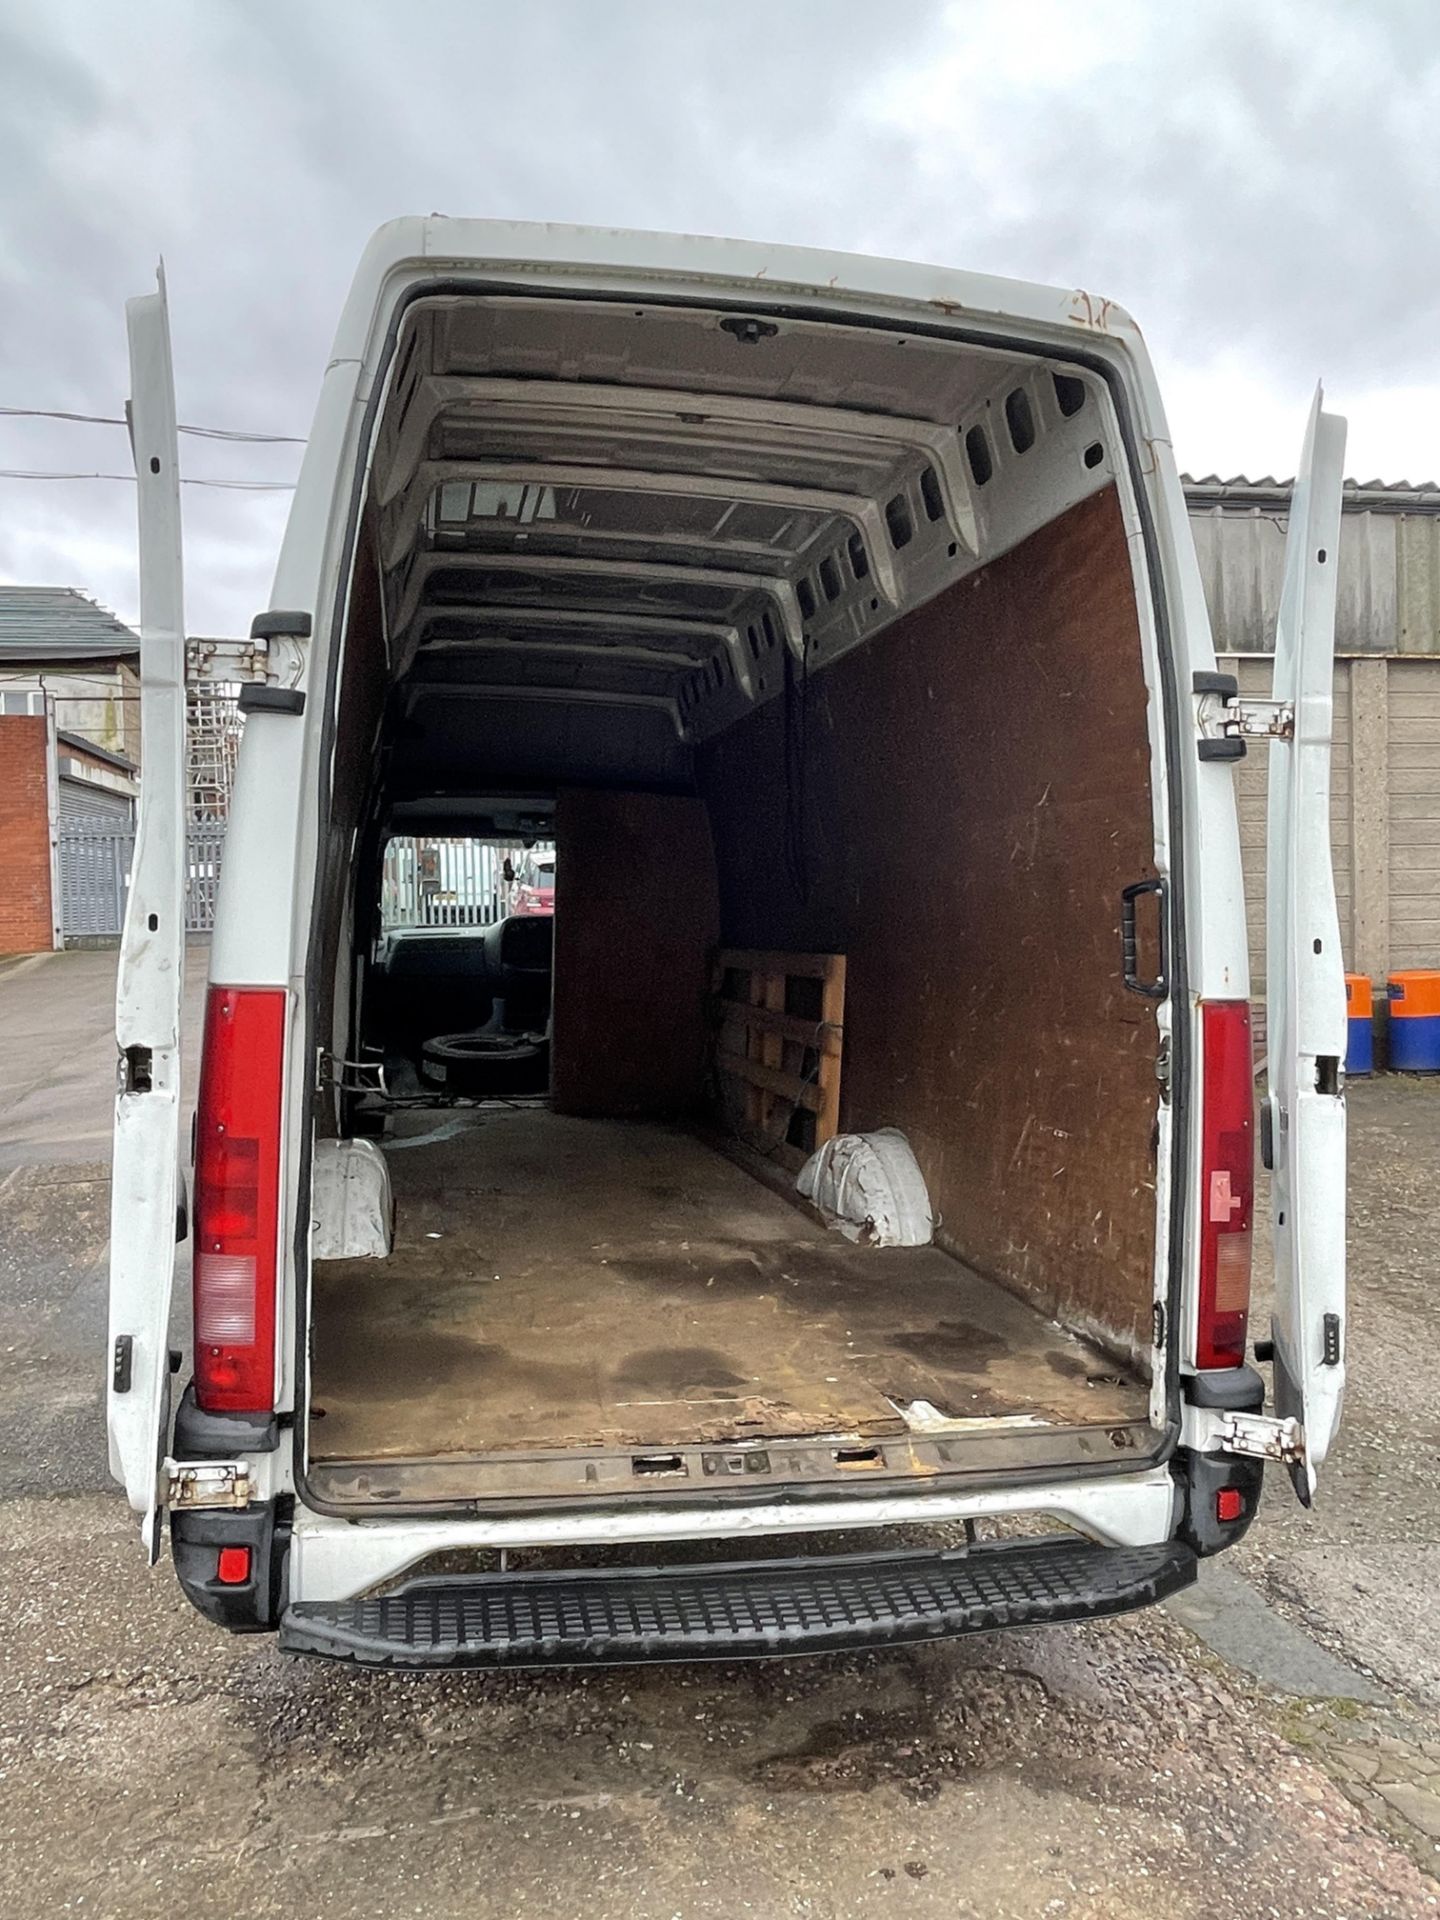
column 27, row 924
column 58, row 646
column 69, row 752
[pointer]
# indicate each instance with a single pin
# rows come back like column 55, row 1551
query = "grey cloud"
column 1253, row 182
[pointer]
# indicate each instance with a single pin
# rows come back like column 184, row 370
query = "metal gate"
column 441, row 882
column 95, row 856
column 203, row 847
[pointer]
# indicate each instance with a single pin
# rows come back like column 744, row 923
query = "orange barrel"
column 1415, row 1020
column 1360, row 1031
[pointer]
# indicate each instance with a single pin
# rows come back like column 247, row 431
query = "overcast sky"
column 1256, row 181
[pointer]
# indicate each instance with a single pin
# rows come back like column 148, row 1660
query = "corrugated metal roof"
column 59, row 623
column 1388, row 579
column 1361, row 496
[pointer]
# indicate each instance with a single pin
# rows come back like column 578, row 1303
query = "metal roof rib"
column 1360, row 496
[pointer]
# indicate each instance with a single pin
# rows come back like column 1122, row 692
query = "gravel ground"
column 149, row 1763
column 1100, row 1771
column 1362, row 1571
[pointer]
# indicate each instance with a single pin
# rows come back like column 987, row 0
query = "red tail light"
column 1227, row 1183
column 237, row 1198
column 232, row 1564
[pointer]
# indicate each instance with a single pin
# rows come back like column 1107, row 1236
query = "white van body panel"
column 276, row 815
column 336, row 1559
column 254, row 923
column 264, row 922
column 409, row 253
column 145, row 1174
column 1305, row 984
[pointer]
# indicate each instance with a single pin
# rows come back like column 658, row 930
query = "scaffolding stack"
column 213, row 736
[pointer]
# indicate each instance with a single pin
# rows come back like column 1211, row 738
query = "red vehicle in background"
column 534, row 884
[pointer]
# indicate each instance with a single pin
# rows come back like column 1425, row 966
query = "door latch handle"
column 1157, row 988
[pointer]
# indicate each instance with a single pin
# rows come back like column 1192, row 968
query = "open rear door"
column 1304, row 972
column 145, row 1175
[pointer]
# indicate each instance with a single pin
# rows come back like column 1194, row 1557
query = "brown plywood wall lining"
column 636, row 921
column 976, row 794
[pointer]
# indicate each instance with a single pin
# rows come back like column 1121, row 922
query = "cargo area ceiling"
column 604, row 528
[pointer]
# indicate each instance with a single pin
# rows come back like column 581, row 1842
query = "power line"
column 8, row 673
column 111, row 692
column 232, row 486
column 111, row 420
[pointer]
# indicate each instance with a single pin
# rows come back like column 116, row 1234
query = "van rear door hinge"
column 274, row 653
column 1259, row 1437
column 1226, row 721
column 224, row 662
column 207, row 1483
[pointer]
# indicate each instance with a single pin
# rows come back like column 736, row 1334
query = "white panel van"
column 728, row 717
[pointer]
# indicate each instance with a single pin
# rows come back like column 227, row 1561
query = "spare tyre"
column 485, row 1064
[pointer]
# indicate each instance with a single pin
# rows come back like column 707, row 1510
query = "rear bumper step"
column 735, row 1612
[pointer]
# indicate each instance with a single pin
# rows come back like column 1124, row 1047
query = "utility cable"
column 229, row 486
column 115, row 420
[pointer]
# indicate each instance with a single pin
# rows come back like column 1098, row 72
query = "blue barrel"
column 1360, row 1025
column 1415, row 1020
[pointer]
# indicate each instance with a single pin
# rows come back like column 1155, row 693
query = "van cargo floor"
column 560, row 1282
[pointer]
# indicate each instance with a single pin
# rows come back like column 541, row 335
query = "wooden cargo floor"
column 609, row 1284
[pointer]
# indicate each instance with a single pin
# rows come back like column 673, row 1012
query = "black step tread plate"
column 742, row 1611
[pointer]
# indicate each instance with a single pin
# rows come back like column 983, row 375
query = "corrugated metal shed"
column 1389, row 585
column 43, row 624
column 1384, row 811
column 1251, row 783
column 1412, row 781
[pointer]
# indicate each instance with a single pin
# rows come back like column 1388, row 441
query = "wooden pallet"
column 778, row 1021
